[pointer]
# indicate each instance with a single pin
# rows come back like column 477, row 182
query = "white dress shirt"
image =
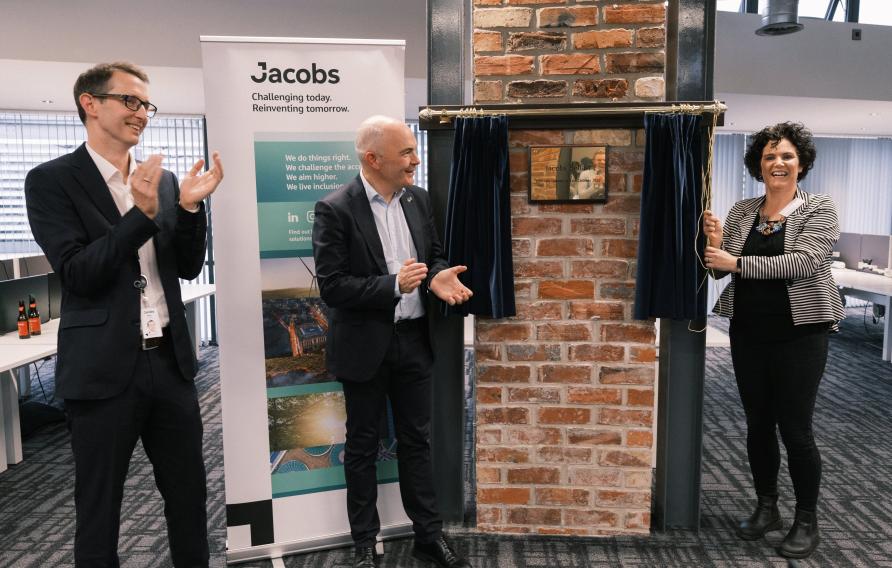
column 393, row 230
column 148, row 259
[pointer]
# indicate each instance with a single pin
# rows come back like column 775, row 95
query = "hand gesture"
column 144, row 185
column 449, row 288
column 197, row 184
column 712, row 228
column 411, row 275
column 717, row 259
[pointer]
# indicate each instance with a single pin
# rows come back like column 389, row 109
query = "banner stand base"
column 280, row 549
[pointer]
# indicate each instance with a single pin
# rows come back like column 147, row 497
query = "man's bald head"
column 387, row 151
column 371, row 133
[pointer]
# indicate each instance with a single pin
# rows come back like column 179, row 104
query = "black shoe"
column 440, row 553
column 364, row 557
column 764, row 519
column 803, row 537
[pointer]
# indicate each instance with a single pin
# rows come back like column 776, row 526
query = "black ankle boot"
column 803, row 537
column 765, row 518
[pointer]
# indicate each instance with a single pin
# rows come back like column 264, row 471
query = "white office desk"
column 873, row 288
column 16, row 353
column 191, row 293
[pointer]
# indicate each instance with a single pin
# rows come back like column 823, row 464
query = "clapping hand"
column 449, row 288
column 197, row 184
column 144, row 185
column 411, row 275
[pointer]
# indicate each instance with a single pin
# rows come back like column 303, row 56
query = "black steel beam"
column 447, row 25
column 831, row 10
column 853, row 7
column 690, row 49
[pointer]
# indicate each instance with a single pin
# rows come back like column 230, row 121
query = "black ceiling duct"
column 780, row 18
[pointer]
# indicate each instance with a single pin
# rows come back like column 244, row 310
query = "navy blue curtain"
column 478, row 216
column 669, row 274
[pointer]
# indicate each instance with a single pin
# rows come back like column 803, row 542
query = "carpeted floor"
column 853, row 422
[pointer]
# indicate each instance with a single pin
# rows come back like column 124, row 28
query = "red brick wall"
column 565, row 390
column 556, row 51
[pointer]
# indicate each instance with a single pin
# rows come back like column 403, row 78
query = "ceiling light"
column 780, row 18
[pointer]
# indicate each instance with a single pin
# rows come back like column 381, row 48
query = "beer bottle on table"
column 24, row 332
column 33, row 316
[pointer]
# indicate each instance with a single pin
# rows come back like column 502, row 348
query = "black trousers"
column 160, row 408
column 778, row 367
column 405, row 378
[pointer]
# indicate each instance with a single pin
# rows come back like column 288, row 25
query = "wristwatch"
column 739, row 264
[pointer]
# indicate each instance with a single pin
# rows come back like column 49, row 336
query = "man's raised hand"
column 197, row 184
column 446, row 286
column 144, row 185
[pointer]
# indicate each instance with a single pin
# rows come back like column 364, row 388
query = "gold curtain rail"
column 445, row 116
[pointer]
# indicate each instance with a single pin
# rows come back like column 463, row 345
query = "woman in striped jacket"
column 782, row 302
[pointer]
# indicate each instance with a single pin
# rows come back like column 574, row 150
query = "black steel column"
column 447, row 25
column 690, row 50
column 690, row 36
column 852, row 9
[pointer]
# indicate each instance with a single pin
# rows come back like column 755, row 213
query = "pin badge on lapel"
column 409, row 199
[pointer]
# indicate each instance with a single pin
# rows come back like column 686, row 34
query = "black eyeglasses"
column 131, row 102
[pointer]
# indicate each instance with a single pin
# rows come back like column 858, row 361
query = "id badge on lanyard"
column 149, row 321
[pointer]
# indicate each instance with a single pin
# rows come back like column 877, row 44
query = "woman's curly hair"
column 798, row 135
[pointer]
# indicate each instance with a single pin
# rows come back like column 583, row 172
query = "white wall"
column 44, row 44
column 820, row 61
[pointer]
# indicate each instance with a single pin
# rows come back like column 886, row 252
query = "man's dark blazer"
column 94, row 250
column 353, row 278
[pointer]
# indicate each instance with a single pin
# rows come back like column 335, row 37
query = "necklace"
column 768, row 227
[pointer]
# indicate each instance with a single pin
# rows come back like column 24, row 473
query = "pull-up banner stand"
column 283, row 113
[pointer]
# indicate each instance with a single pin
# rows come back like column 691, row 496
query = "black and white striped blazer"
column 809, row 235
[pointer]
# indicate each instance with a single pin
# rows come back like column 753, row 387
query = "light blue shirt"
column 393, row 230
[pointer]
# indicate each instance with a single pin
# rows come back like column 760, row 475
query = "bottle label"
column 34, row 325
column 24, row 333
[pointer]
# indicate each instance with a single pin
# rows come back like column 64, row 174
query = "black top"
column 755, row 298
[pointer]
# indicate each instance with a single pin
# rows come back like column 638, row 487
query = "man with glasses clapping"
column 120, row 234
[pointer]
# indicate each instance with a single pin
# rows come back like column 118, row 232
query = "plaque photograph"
column 568, row 174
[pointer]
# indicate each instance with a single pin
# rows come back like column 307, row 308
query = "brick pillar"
column 559, row 52
column 565, row 390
